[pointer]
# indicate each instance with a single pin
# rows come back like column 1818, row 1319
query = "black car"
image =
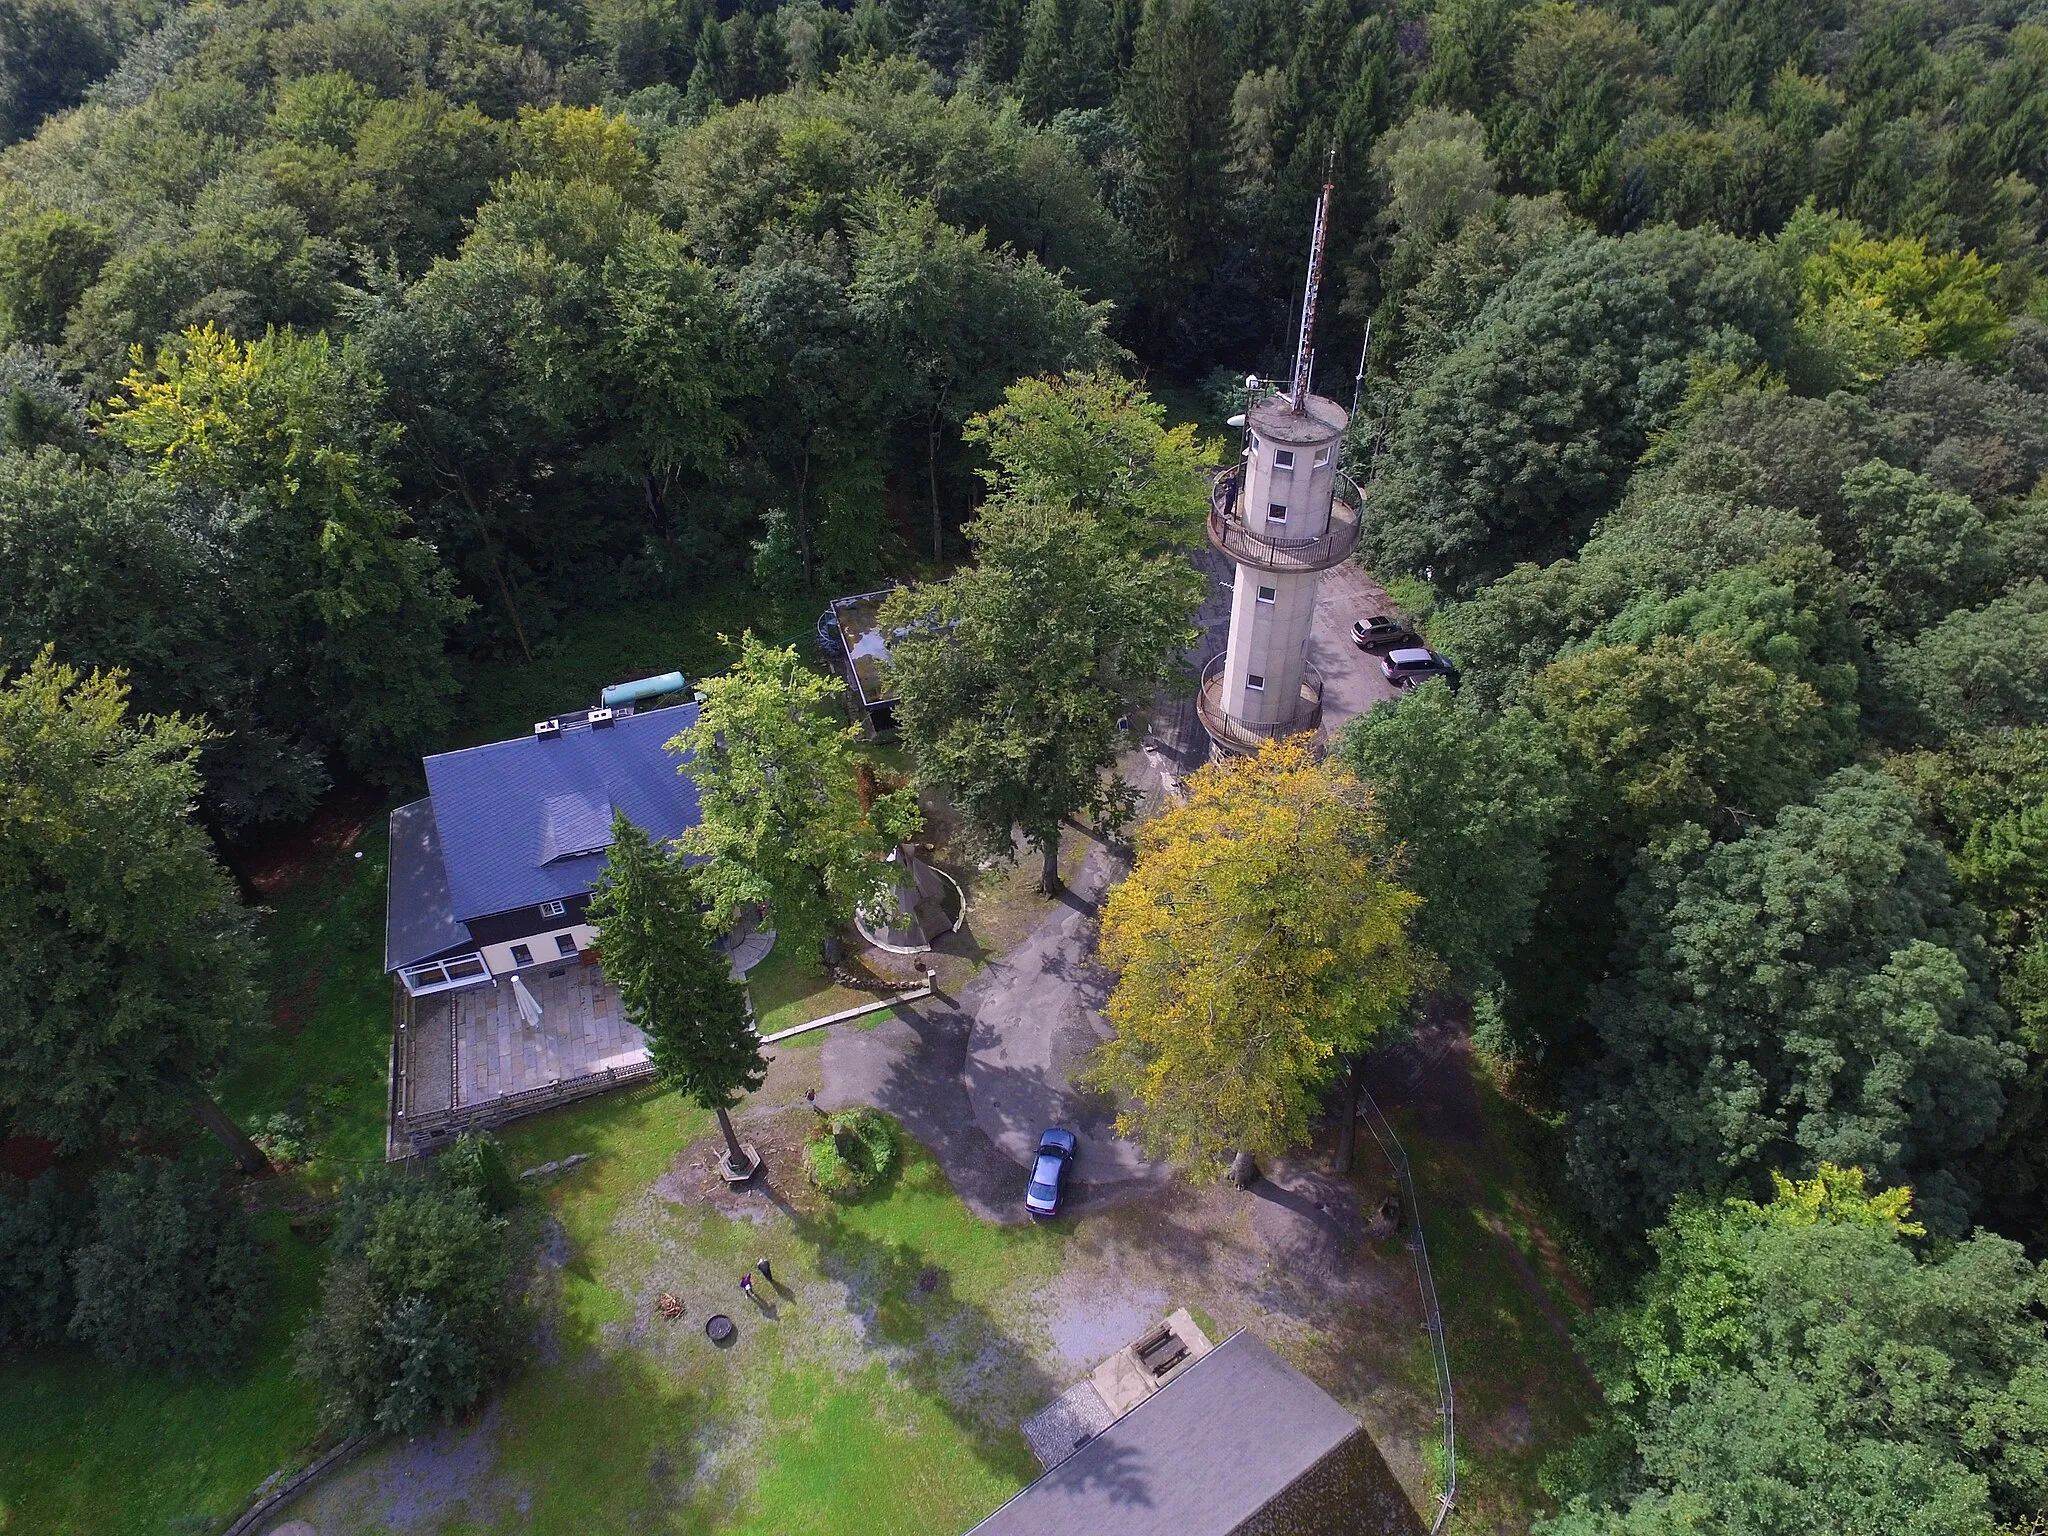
column 1380, row 633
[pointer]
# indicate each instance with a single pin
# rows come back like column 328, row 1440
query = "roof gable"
column 527, row 820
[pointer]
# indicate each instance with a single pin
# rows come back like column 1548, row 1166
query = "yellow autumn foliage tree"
column 1258, row 944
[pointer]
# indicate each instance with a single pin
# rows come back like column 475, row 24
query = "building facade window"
column 1266, row 594
column 1255, row 680
column 565, row 944
column 553, row 908
column 521, row 955
column 1276, row 513
column 1283, row 459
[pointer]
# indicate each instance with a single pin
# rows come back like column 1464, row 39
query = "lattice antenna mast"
column 1304, row 351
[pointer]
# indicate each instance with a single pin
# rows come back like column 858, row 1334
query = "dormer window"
column 1283, row 459
column 1277, row 512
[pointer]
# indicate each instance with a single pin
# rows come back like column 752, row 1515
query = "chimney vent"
column 600, row 718
column 546, row 730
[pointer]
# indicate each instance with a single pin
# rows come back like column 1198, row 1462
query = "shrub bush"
column 850, row 1151
column 416, row 1315
column 475, row 1163
column 40, row 1223
column 171, row 1274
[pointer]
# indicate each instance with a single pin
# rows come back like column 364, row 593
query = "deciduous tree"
column 1810, row 992
column 1807, row 1365
column 169, row 1274
column 782, row 825
column 1013, row 674
column 136, row 966
column 1259, row 943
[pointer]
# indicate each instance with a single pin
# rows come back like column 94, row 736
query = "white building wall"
column 545, row 951
column 1269, row 640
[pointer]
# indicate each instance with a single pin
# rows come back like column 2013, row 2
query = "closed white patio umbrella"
column 529, row 1005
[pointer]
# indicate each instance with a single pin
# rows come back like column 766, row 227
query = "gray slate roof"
column 525, row 821
column 1198, row 1457
column 419, row 919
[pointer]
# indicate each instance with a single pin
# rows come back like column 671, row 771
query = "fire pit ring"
column 719, row 1327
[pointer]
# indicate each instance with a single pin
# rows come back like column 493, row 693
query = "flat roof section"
column 867, row 647
column 1199, row 1457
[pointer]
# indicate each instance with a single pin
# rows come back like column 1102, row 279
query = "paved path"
column 976, row 1077
column 1037, row 1016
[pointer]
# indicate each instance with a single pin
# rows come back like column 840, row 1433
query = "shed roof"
column 1199, row 1457
column 526, row 821
column 419, row 918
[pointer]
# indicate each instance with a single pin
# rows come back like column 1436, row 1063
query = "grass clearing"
column 876, row 1397
column 326, row 1057
column 1521, row 1392
column 86, row 1450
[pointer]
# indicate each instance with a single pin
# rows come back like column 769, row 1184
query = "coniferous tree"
column 1177, row 98
column 676, row 987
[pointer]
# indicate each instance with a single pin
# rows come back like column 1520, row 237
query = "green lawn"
column 89, row 1451
column 853, row 1410
column 1521, row 1394
column 325, row 1060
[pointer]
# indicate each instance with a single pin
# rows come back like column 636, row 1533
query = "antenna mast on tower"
column 1304, row 354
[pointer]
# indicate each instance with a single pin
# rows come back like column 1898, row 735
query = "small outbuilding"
column 1238, row 1443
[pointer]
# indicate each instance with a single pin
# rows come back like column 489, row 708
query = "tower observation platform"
column 1284, row 514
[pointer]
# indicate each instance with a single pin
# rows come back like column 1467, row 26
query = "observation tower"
column 1283, row 515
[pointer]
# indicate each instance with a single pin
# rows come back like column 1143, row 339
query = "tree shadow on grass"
column 961, row 1356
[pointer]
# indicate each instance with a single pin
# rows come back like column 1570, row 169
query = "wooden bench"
column 1161, row 1350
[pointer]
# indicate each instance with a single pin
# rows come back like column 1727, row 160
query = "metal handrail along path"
column 1432, row 1314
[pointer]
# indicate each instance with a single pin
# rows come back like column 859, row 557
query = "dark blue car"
column 1056, row 1149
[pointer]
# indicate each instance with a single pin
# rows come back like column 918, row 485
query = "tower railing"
column 1244, row 736
column 1232, row 535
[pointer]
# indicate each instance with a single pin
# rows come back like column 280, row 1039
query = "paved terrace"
column 462, row 1049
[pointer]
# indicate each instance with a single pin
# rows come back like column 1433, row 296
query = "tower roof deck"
column 1275, row 420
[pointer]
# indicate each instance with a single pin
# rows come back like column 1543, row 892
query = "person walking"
column 766, row 1273
column 747, row 1285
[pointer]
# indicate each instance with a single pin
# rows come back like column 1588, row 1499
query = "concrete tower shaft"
column 1283, row 515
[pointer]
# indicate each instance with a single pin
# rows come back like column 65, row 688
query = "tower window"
column 1283, row 459
column 1255, row 680
column 565, row 944
column 521, row 955
column 1266, row 594
column 1277, row 512
column 1322, row 457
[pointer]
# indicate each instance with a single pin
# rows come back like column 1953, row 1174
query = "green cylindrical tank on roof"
column 644, row 688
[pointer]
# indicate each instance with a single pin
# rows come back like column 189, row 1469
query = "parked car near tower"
column 1417, row 664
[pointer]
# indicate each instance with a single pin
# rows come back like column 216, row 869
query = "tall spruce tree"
column 1177, row 98
column 677, row 988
